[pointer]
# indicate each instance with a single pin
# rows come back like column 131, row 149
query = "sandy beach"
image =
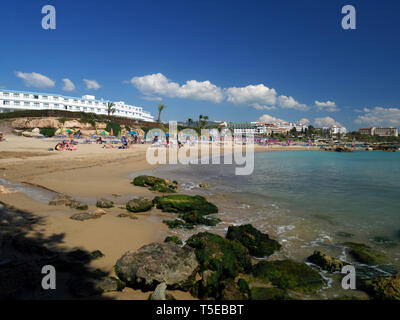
column 89, row 172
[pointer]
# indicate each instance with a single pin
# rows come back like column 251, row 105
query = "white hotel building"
column 11, row 100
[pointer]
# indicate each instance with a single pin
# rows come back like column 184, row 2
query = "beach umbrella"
column 167, row 134
column 68, row 130
column 132, row 132
column 105, row 132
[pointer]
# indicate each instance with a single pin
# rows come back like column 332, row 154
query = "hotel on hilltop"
column 11, row 100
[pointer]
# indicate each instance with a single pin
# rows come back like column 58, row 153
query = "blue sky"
column 231, row 60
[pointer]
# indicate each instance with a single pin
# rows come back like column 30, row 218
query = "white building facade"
column 11, row 100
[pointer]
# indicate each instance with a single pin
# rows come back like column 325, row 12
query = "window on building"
column 16, row 95
column 35, row 97
column 27, row 104
column 36, row 104
column 6, row 94
column 6, row 102
column 26, row 96
column 16, row 103
column 44, row 97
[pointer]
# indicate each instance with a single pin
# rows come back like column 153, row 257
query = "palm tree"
column 190, row 122
column 161, row 107
column 110, row 108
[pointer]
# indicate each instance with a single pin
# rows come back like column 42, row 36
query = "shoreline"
column 89, row 172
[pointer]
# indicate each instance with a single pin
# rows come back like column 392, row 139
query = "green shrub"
column 48, row 132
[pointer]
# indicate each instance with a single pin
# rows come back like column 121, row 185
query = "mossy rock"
column 155, row 184
column 173, row 239
column 326, row 262
column 139, row 205
column 384, row 288
column 261, row 293
column 178, row 224
column 258, row 243
column 181, row 203
column 104, row 203
column 73, row 204
column 227, row 258
column 289, row 274
column 196, row 218
column 365, row 254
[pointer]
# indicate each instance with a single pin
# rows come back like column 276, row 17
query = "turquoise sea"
column 307, row 199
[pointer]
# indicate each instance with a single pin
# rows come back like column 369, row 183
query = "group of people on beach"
column 66, row 145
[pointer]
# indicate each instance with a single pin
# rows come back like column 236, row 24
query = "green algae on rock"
column 182, row 203
column 326, row 262
column 262, row 293
column 139, row 205
column 288, row 274
column 155, row 184
column 258, row 243
column 365, row 254
column 173, row 239
column 384, row 288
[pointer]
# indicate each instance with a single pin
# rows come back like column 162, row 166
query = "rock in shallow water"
column 156, row 263
column 365, row 254
column 93, row 287
column 326, row 262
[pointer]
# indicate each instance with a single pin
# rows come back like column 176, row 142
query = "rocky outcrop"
column 384, row 288
column 75, row 124
column 156, row 263
column 258, row 243
column 288, row 274
column 326, row 262
column 139, row 205
column 31, row 123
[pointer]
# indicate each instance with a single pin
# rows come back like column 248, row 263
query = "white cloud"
column 379, row 116
column 36, row 80
column 328, row 106
column 304, row 121
column 325, row 122
column 289, row 103
column 68, row 85
column 92, row 84
column 258, row 96
column 149, row 98
column 158, row 84
column 269, row 119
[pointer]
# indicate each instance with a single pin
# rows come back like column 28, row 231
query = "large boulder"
column 258, row 243
column 365, row 254
column 326, row 262
column 139, row 205
column 288, row 274
column 384, row 288
column 156, row 263
column 85, row 216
